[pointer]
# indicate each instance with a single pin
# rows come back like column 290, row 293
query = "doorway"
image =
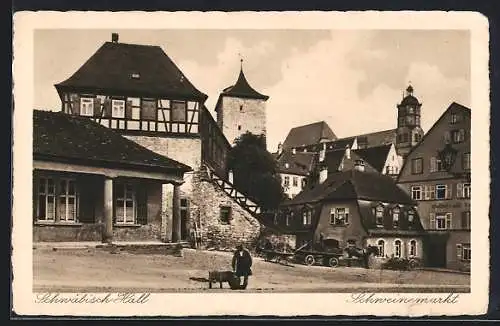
column 435, row 249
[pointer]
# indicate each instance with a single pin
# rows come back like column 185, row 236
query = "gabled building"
column 310, row 134
column 92, row 184
column 295, row 169
column 436, row 173
column 383, row 158
column 355, row 208
column 140, row 93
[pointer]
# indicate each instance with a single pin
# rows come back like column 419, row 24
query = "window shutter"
column 449, row 190
column 433, row 164
column 142, row 206
column 346, row 215
column 75, row 105
column 460, row 190
column 107, row 107
column 426, row 192
column 128, row 109
column 432, row 221
column 332, row 215
column 97, row 106
column 462, row 134
column 448, row 220
column 459, row 250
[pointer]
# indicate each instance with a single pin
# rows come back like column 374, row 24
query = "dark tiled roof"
column 334, row 159
column 375, row 156
column 61, row 136
column 111, row 68
column 354, row 184
column 377, row 138
column 243, row 89
column 410, row 100
column 308, row 135
column 299, row 163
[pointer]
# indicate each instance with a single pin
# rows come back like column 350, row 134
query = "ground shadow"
column 199, row 279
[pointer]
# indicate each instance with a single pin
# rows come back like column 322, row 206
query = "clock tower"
column 409, row 133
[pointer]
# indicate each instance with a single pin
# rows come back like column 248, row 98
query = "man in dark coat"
column 242, row 263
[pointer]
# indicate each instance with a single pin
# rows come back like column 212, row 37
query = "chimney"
column 322, row 153
column 359, row 165
column 280, row 148
column 294, row 151
column 347, row 152
column 323, row 174
column 114, row 37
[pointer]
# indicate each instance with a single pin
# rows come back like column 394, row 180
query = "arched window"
column 397, row 248
column 413, row 247
column 381, row 248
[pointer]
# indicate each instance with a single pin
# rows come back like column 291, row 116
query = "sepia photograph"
column 251, row 161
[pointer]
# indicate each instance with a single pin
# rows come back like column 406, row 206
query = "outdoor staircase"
column 231, row 191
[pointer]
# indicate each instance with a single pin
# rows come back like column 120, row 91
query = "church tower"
column 240, row 108
column 409, row 132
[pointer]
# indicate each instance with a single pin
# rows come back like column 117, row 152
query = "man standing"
column 242, row 263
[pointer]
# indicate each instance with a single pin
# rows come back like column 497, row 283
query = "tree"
column 255, row 171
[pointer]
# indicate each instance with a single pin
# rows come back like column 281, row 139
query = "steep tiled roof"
column 354, row 184
column 243, row 89
column 112, row 67
column 333, row 160
column 60, row 136
column 308, row 135
column 377, row 138
column 375, row 156
column 298, row 163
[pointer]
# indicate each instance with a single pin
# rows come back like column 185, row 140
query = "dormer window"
column 135, row 75
column 395, row 216
column 87, row 106
column 118, row 108
column 379, row 215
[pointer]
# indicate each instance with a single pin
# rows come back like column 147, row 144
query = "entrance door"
column 436, row 251
column 184, row 218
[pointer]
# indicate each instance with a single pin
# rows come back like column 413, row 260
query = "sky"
column 352, row 79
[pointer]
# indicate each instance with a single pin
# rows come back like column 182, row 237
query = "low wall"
column 67, row 233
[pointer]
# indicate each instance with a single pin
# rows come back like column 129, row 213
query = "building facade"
column 295, row 169
column 139, row 92
column 436, row 173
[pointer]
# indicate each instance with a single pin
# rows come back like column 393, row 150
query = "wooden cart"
column 313, row 257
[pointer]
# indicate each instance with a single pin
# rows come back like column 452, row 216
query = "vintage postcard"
column 250, row 163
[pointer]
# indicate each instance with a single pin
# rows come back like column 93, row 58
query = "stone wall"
column 63, row 233
column 149, row 232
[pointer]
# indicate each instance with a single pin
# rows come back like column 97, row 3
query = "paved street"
column 97, row 270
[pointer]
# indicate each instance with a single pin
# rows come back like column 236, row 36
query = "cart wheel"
column 309, row 260
column 333, row 262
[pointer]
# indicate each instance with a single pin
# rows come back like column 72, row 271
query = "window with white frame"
column 441, row 221
column 381, row 248
column 287, row 219
column 46, row 199
column 416, row 192
column 429, row 192
column 466, row 251
column 67, row 204
column 466, row 187
column 306, row 217
column 118, row 108
column 295, row 181
column 410, row 216
column 417, row 166
column 125, row 207
column 441, row 191
column 286, row 181
column 466, row 161
column 413, row 248
column 87, row 106
column 395, row 216
column 397, row 248
column 339, row 215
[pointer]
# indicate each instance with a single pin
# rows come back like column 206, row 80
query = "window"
column 87, row 106
column 295, row 181
column 413, row 248
column 436, row 165
column 429, row 192
column 395, row 216
column 118, row 108
column 466, row 252
column 411, row 216
column 304, row 183
column 136, row 107
column 416, row 138
column 125, row 208
column 463, row 190
column 148, row 109
column 66, row 207
column 379, row 215
column 455, row 118
column 466, row 161
column 466, row 190
column 441, row 221
column 410, row 120
column 178, row 111
column 286, row 182
column 417, row 122
column 401, row 121
column 241, row 108
column 458, row 136
column 465, row 220
column 397, row 248
column 306, row 217
column 447, row 137
column 441, row 191
column 239, row 127
column 339, row 216
column 411, row 110
column 46, row 199
column 381, row 248
column 225, row 214
column 416, row 192
column 287, row 219
column 275, row 219
column 417, row 166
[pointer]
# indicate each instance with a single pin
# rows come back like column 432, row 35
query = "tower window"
column 241, row 108
column 239, row 127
